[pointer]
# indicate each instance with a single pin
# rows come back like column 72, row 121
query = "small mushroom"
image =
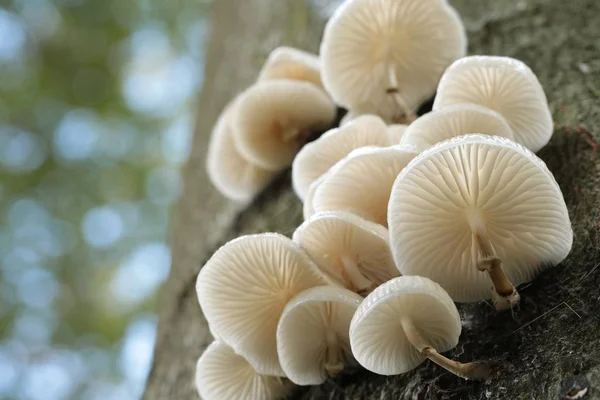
column 313, row 334
column 319, row 156
column 505, row 85
column 405, row 321
column 244, row 287
column 395, row 133
column 223, row 374
column 389, row 55
column 353, row 251
column 450, row 122
column 275, row 118
column 478, row 203
column 229, row 172
column 289, row 63
column 361, row 183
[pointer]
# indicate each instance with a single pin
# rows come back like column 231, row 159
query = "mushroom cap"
column 462, row 119
column 505, row 85
column 294, row 64
column 244, row 287
column 303, row 330
column 395, row 133
column 319, row 156
column 307, row 208
column 361, row 183
column 270, row 113
column 228, row 171
column 364, row 39
column 329, row 236
column 470, row 183
column 223, row 374
column 350, row 115
column 377, row 337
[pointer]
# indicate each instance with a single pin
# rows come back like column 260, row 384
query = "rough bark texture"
column 544, row 350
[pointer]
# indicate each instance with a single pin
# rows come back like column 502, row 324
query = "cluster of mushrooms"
column 404, row 216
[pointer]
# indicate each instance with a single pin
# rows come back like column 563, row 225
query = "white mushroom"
column 243, row 288
column 275, row 118
column 319, row 156
column 313, row 334
column 361, row 183
column 353, row 251
column 222, row 374
column 505, row 85
column 450, row 122
column 307, row 208
column 395, row 133
column 389, row 54
column 478, row 203
column 403, row 322
column 294, row 64
column 229, row 172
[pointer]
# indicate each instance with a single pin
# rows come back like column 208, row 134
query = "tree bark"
column 548, row 348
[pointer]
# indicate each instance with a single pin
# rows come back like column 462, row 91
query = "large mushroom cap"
column 229, row 172
column 505, row 85
column 317, row 157
column 294, row 64
column 470, row 183
column 275, row 118
column 313, row 325
column 244, row 287
column 361, row 183
column 222, row 374
column 366, row 41
column 338, row 241
column 437, row 126
column 377, row 337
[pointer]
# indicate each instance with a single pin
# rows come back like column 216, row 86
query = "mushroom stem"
column 472, row 371
column 290, row 134
column 504, row 295
column 394, row 92
column 334, row 362
column 353, row 274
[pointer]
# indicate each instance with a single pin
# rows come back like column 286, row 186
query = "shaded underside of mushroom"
column 223, row 374
column 473, row 188
column 395, row 133
column 244, row 287
column 317, row 157
column 505, row 85
column 449, row 122
column 294, row 64
column 313, row 334
column 361, row 183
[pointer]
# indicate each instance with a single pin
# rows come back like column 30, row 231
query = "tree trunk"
column 551, row 346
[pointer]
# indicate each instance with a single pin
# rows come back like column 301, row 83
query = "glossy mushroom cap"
column 275, row 118
column 377, row 336
column 230, row 173
column 437, row 126
column 319, row 156
column 222, row 374
column 244, row 287
column 313, row 334
column 361, row 183
column 367, row 41
column 351, row 250
column 469, row 184
column 505, row 85
column 294, row 64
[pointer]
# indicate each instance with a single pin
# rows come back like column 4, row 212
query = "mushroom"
column 229, row 172
column 389, row 54
column 403, row 322
column 319, row 156
column 450, row 122
column 478, row 203
column 395, row 133
column 289, row 63
column 505, row 85
column 313, row 334
column 361, row 183
column 351, row 250
column 275, row 118
column 243, row 288
column 223, row 374
column 307, row 208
